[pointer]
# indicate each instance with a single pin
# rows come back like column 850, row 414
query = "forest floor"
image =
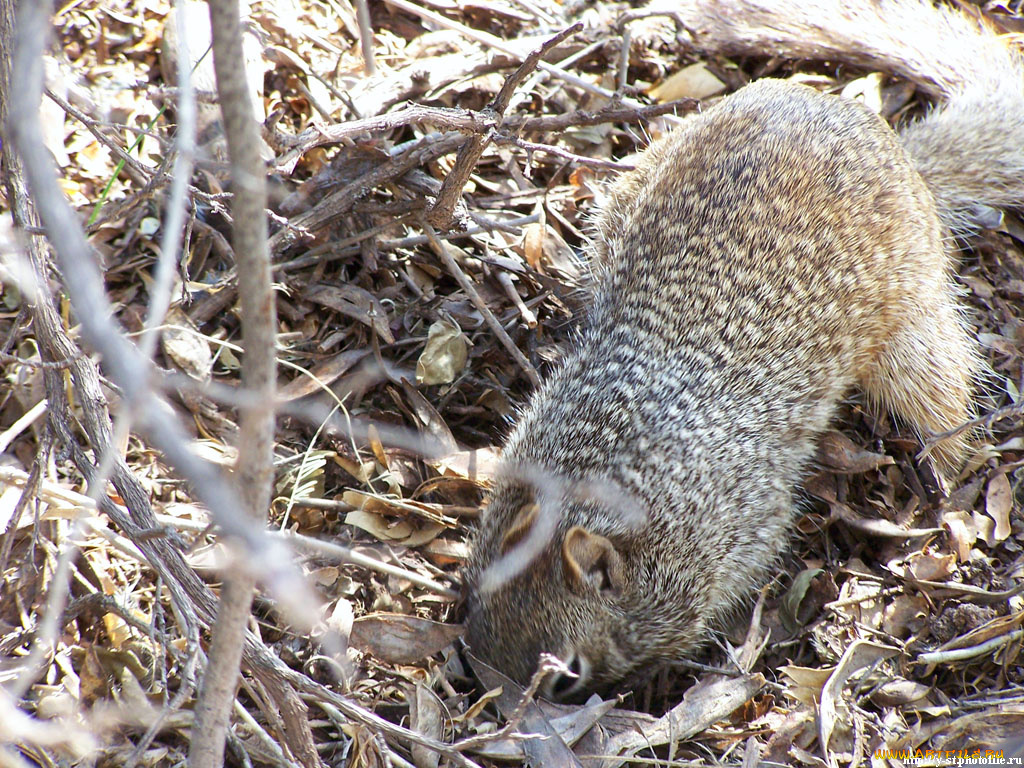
column 894, row 623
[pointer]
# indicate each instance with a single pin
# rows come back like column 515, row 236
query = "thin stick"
column 590, row 162
column 366, row 37
column 255, row 471
column 26, row 420
column 84, row 508
column 468, row 121
column 451, row 191
column 498, row 44
column 959, row 654
column 441, row 249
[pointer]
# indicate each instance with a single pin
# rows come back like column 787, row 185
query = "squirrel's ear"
column 520, row 527
column 591, row 559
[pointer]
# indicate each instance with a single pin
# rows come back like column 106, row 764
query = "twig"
column 505, row 280
column 366, row 37
column 960, row 654
column 341, row 201
column 986, row 421
column 612, row 113
column 121, row 358
column 108, row 604
column 48, row 626
column 352, row 711
column 174, row 217
column 170, row 241
column 496, row 43
column 143, row 171
column 26, row 420
column 623, row 73
column 468, row 121
column 28, row 495
column 591, row 162
column 41, row 364
column 254, row 470
column 65, row 499
column 440, row 214
column 441, row 249
column 348, row 555
column 977, row 594
column 191, row 599
column 547, row 665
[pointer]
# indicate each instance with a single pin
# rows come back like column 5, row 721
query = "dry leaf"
column 370, row 502
column 400, row 639
column 905, row 615
column 806, row 682
column 702, row 705
column 692, row 82
column 326, row 576
column 444, row 356
column 426, row 716
column 925, row 566
column 859, row 655
column 867, row 90
column 838, row 452
column 442, row 439
column 790, row 605
column 478, row 465
column 998, row 503
column 394, row 532
column 185, row 346
column 986, row 528
column 962, row 532
column 321, row 375
column 352, row 301
column 895, row 693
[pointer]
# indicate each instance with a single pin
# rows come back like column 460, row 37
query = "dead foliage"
column 427, row 223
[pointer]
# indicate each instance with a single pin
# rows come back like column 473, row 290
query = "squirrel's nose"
column 563, row 686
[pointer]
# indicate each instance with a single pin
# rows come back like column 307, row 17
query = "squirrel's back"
column 970, row 148
column 761, row 260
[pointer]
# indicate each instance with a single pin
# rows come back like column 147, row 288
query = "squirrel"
column 761, row 261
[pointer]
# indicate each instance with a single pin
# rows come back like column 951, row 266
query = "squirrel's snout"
column 568, row 685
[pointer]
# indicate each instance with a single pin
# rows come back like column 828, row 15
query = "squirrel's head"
column 574, row 582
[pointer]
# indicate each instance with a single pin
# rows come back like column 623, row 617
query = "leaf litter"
column 893, row 624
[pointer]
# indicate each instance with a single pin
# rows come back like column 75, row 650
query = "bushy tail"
column 970, row 148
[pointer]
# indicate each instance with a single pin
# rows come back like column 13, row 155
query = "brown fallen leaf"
column 692, row 82
column 400, row 639
column 321, row 375
column 444, row 356
column 790, row 604
column 900, row 691
column 905, row 615
column 859, row 655
column 478, row 465
column 426, row 716
column 430, row 420
column 841, row 454
column 703, row 705
column 998, row 503
column 927, row 566
column 877, row 526
column 962, row 532
column 352, row 301
column 405, row 532
column 805, row 683
column 185, row 347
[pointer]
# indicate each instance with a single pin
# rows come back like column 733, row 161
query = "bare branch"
column 256, row 444
column 451, row 192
